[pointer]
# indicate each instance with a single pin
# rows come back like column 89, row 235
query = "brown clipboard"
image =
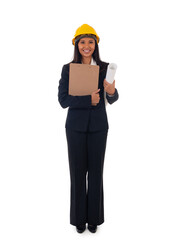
column 83, row 79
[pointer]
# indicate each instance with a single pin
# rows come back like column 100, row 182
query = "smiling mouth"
column 86, row 51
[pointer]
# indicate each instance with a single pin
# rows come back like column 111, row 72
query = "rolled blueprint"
column 111, row 70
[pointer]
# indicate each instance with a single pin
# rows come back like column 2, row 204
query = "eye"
column 91, row 42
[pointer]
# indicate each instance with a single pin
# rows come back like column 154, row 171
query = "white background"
column 35, row 43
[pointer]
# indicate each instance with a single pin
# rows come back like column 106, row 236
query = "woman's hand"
column 109, row 87
column 95, row 97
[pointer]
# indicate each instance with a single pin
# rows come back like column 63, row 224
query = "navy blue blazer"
column 81, row 115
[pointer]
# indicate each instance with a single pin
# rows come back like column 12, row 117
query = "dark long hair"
column 77, row 56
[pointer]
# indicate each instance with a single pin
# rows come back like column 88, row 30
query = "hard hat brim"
column 85, row 35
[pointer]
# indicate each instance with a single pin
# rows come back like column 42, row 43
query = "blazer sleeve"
column 113, row 98
column 67, row 100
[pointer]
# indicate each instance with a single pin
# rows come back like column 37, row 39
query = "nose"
column 86, row 45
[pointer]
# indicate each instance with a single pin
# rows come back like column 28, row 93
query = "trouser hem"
column 99, row 223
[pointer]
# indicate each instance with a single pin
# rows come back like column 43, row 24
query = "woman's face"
column 86, row 47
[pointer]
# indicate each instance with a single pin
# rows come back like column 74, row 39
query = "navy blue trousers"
column 86, row 151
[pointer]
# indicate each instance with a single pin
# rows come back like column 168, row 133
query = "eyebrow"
column 89, row 40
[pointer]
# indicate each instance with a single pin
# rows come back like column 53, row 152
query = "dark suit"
column 86, row 132
column 82, row 116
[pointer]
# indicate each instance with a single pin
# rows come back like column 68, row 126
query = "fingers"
column 105, row 81
column 106, row 84
column 97, row 91
column 95, row 97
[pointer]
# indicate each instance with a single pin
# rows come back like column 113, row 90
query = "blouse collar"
column 93, row 62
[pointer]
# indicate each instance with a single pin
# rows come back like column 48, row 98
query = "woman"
column 86, row 132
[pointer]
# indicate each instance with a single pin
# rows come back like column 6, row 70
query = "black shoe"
column 80, row 228
column 92, row 228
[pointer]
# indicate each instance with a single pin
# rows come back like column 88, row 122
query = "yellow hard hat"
column 83, row 30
